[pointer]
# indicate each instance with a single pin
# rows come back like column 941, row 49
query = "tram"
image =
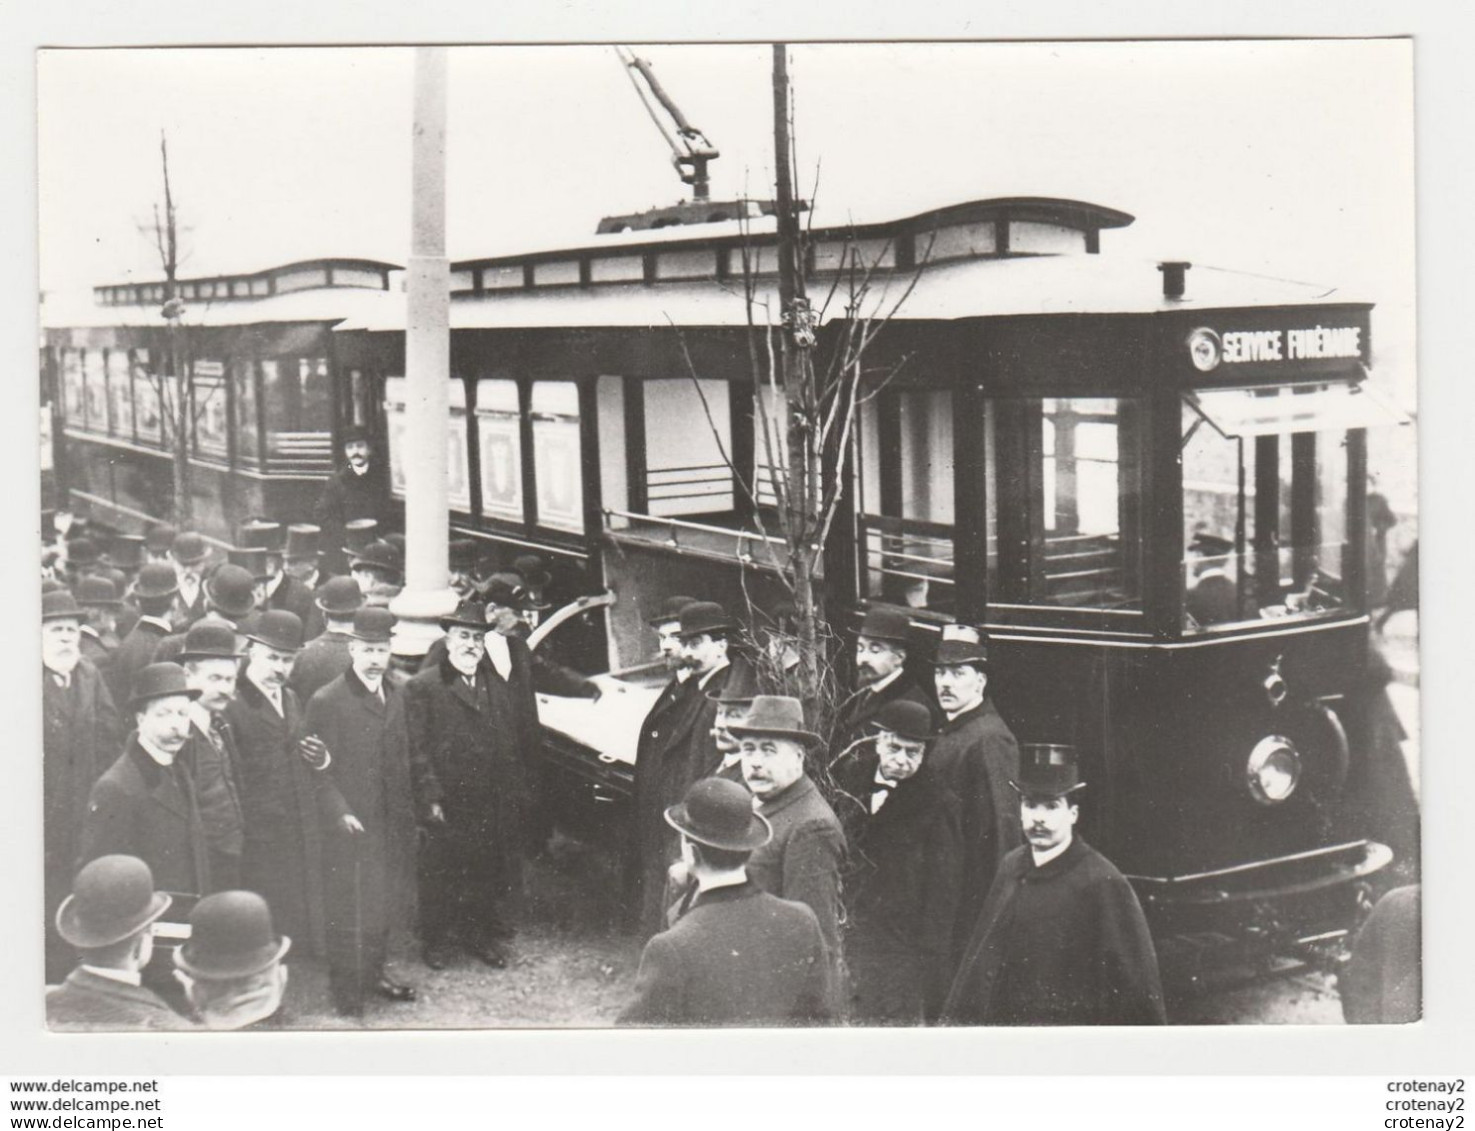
column 1146, row 481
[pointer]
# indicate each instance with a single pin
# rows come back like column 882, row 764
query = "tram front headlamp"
column 1273, row 771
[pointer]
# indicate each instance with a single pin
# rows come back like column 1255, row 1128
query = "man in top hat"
column 359, row 489
column 278, row 788
column 975, row 757
column 368, row 851
column 146, row 804
column 80, row 733
column 153, row 592
column 279, row 589
column 738, row 955
column 325, row 657
column 379, row 571
column 109, row 920
column 881, row 650
column 1062, row 939
column 803, row 860
column 902, row 884
column 471, row 726
column 190, row 554
column 158, row 543
column 83, row 558
column 231, row 967
column 301, row 565
column 230, row 595
column 211, row 662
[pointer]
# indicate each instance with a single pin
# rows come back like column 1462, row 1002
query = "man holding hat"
column 802, row 861
column 471, row 724
column 146, row 804
column 902, row 886
column 368, row 852
column 212, row 664
column 109, row 920
column 1062, row 939
column 975, row 756
column 881, row 678
column 738, row 955
column 153, row 592
column 231, row 968
column 190, row 552
column 80, row 733
column 283, row 850
column 357, row 490
column 325, row 657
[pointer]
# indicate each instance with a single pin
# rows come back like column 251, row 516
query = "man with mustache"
column 357, row 490
column 212, row 664
column 881, row 678
column 80, row 736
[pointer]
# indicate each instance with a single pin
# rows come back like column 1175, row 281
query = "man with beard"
column 325, row 657
column 79, row 740
column 368, row 807
column 1062, row 939
column 881, row 679
column 190, row 554
column 471, row 721
column 212, row 663
column 358, row 490
column 975, row 757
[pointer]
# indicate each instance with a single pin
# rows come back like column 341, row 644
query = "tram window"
column 559, row 470
column 97, row 390
column 458, row 482
column 248, row 425
column 685, row 471
column 499, row 441
column 209, row 410
column 74, row 396
column 147, row 413
column 120, row 392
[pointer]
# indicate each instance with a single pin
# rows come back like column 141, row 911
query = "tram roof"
column 320, row 304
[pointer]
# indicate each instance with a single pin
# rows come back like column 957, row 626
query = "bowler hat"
column 127, row 551
column 159, row 681
column 59, row 604
column 780, row 715
column 339, row 596
column 97, row 591
column 532, row 571
column 358, row 533
column 505, row 589
column 398, row 541
column 231, row 936
column 231, row 590
column 259, row 534
column 905, row 718
column 462, row 554
column 1047, row 770
column 159, row 538
column 378, row 555
column 156, row 579
column 373, row 625
column 277, row 628
column 882, row 623
column 82, row 552
column 113, row 898
column 189, row 548
column 470, row 613
column 670, row 610
column 705, row 616
column 303, row 540
column 960, row 644
column 719, row 813
column 210, row 638
column 253, row 559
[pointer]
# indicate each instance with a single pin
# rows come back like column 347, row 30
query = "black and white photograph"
column 629, row 535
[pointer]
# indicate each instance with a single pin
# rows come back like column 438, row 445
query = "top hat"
column 960, row 644
column 339, row 596
column 303, row 540
column 159, row 681
column 97, row 591
column 378, row 555
column 470, row 613
column 113, row 898
column 905, row 718
column 189, row 548
column 1047, row 769
column 59, row 604
column 82, row 552
column 505, row 589
column 353, row 434
column 231, row 590
column 259, row 534
column 373, row 625
column 159, row 538
column 277, row 628
column 670, row 610
column 127, row 551
column 358, row 533
column 253, row 559
column 462, row 554
column 782, row 715
column 231, row 936
column 156, row 579
column 719, row 813
column 882, row 623
column 705, row 616
column 210, row 638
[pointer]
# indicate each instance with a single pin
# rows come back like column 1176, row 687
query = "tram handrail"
column 684, row 524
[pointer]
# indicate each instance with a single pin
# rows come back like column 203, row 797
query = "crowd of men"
column 238, row 738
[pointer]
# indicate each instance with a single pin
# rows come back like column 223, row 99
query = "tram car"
column 1146, row 481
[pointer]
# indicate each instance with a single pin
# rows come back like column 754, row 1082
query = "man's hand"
column 314, row 752
column 437, row 814
column 350, row 824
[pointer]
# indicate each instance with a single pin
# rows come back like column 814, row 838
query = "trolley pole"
column 427, row 595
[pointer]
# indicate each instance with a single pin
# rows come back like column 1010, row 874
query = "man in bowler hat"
column 231, row 968
column 325, row 657
column 212, row 666
column 1062, row 939
column 153, row 593
column 881, row 650
column 738, row 955
column 190, row 554
column 229, row 595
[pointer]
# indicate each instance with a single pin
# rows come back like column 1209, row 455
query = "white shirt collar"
column 160, row 621
column 1043, row 858
column 499, row 653
column 163, row 757
column 722, row 880
column 127, row 977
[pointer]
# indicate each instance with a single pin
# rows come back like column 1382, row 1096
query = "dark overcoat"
column 80, row 738
column 1061, row 944
column 88, row 1001
column 213, row 769
column 140, row 808
column 296, row 597
column 347, row 496
column 902, row 890
column 321, row 661
column 281, row 804
column 857, row 714
column 98, row 647
column 739, row 956
column 803, row 860
column 975, row 757
column 135, row 652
